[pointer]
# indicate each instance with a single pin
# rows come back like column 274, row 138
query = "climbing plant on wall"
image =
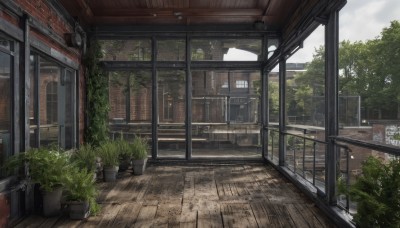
column 97, row 96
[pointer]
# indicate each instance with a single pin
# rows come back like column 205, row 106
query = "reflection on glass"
column 126, row 50
column 171, row 109
column 130, row 89
column 171, row 50
column 117, row 93
column 48, row 101
column 5, row 107
column 226, row 49
column 33, row 122
column 225, row 107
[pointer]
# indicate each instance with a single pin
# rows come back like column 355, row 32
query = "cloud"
column 359, row 20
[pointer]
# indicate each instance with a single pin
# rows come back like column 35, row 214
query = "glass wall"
column 52, row 108
column 6, row 97
column 225, row 103
column 273, row 113
column 49, row 77
column 126, row 50
column 130, row 99
column 225, row 113
column 226, row 49
column 171, row 50
column 171, row 113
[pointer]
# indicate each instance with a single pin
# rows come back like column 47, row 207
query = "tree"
column 368, row 69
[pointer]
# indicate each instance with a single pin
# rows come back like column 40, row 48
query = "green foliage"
column 124, row 148
column 85, row 157
column 109, row 153
column 368, row 69
column 46, row 167
column 80, row 186
column 377, row 193
column 139, row 148
column 97, row 97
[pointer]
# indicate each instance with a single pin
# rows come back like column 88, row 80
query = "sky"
column 359, row 20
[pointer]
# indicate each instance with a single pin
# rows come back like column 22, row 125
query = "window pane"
column 171, row 109
column 226, row 49
column 225, row 116
column 33, row 122
column 6, row 108
column 118, row 89
column 126, row 50
column 171, row 50
column 48, row 102
column 137, row 85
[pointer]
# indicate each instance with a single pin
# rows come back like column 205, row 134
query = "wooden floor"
column 250, row 195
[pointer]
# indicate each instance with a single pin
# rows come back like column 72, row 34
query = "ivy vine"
column 97, row 96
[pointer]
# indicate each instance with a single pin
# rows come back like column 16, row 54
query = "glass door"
column 171, row 113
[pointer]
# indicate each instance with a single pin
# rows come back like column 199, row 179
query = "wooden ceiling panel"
column 97, row 12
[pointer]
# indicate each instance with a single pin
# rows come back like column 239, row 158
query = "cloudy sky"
column 359, row 20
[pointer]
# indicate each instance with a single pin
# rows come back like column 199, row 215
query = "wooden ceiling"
column 274, row 13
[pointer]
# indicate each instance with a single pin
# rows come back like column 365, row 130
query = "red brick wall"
column 41, row 11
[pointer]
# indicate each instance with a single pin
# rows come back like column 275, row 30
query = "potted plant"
column 139, row 149
column 109, row 154
column 377, row 193
column 125, row 154
column 81, row 193
column 85, row 158
column 46, row 167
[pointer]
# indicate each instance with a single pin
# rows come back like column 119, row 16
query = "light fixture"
column 259, row 25
column 74, row 39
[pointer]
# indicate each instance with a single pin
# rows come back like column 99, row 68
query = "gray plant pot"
column 110, row 173
column 139, row 166
column 124, row 164
column 79, row 210
column 52, row 202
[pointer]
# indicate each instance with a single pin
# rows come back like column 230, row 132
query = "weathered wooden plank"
column 209, row 219
column 31, row 221
column 198, row 196
column 308, row 216
column 238, row 215
column 146, row 216
column 188, row 219
column 127, row 215
column 260, row 214
column 108, row 214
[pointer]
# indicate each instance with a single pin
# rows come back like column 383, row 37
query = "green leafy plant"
column 377, row 193
column 139, row 148
column 47, row 167
column 97, row 96
column 80, row 186
column 124, row 148
column 85, row 157
column 109, row 153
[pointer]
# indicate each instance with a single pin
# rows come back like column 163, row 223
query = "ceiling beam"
column 183, row 11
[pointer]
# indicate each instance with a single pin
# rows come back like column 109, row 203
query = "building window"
column 51, row 103
column 242, row 84
column 6, row 96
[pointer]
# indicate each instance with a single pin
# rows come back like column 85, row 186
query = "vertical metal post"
column 27, row 82
column 264, row 100
column 128, row 99
column 188, row 100
column 313, row 176
column 331, row 102
column 154, row 98
column 264, row 112
column 25, row 136
column 282, row 110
